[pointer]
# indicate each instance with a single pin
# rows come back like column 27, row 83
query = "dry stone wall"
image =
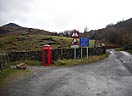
column 56, row 54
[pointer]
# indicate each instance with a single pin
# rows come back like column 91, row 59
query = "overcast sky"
column 60, row 15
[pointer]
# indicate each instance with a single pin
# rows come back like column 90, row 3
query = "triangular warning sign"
column 75, row 42
column 75, row 34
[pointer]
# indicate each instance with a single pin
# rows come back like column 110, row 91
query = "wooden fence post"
column 1, row 63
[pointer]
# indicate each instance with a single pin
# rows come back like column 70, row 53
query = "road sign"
column 75, row 43
column 84, row 42
column 75, row 34
column 91, row 43
column 74, row 46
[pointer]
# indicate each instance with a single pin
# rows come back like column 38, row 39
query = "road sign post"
column 74, row 53
column 87, row 52
column 81, row 52
column 84, row 42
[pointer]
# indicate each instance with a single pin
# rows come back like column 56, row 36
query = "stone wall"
column 4, row 60
column 69, row 53
column 31, row 55
column 56, row 54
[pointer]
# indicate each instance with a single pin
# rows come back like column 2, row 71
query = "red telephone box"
column 46, row 55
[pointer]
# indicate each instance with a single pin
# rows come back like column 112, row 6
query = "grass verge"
column 71, row 62
column 130, row 51
column 122, row 49
column 6, row 72
column 119, row 49
column 28, row 62
column 11, row 74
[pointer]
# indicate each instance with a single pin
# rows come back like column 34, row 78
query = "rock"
column 21, row 66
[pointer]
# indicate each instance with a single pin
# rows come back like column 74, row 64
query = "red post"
column 46, row 55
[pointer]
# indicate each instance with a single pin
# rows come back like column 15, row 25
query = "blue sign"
column 84, row 42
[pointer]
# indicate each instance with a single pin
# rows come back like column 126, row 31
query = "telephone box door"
column 46, row 55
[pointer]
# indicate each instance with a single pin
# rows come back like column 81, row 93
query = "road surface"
column 109, row 77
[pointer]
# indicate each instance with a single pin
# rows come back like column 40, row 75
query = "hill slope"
column 11, row 25
column 32, row 42
column 14, row 29
column 120, row 33
column 13, row 37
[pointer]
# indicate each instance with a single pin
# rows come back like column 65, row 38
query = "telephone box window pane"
column 46, row 56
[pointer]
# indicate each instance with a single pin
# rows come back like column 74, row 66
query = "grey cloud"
column 14, row 10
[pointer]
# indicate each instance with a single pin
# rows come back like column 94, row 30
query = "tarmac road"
column 109, row 77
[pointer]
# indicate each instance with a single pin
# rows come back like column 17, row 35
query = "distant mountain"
column 11, row 25
column 15, row 29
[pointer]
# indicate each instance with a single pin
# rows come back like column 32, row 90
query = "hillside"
column 32, row 42
column 14, row 29
column 14, row 37
column 119, row 34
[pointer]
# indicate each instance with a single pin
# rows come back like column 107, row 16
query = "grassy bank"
column 34, row 42
column 71, row 62
column 130, row 51
column 119, row 49
column 11, row 74
column 122, row 49
column 6, row 72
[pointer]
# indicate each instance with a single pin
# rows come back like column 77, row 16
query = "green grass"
column 64, row 42
column 9, row 74
column 130, row 51
column 119, row 49
column 28, row 62
column 32, row 42
column 122, row 49
column 6, row 72
column 71, row 62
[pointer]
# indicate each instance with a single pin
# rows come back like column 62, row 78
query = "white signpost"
column 75, row 41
